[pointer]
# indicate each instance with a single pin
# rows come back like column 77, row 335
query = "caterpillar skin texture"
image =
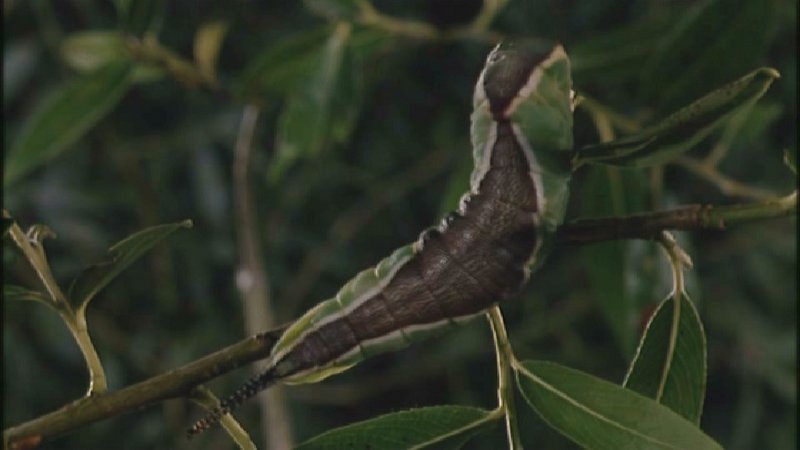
column 480, row 254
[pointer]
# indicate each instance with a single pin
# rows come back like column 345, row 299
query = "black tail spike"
column 249, row 389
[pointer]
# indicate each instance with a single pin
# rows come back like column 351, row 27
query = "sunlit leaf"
column 123, row 254
column 90, row 50
column 65, row 117
column 600, row 415
column 714, row 41
column 207, row 44
column 672, row 370
column 441, row 427
column 682, row 130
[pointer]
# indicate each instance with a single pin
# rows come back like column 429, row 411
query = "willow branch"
column 690, row 218
column 173, row 384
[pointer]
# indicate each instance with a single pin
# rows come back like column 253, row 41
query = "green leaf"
column 441, row 427
column 305, row 123
column 123, row 254
column 617, row 55
column 65, row 117
column 672, row 369
column 335, row 9
column 281, row 67
column 713, row 40
column 684, row 129
column 90, row 50
column 600, row 415
column 13, row 292
column 790, row 159
column 609, row 191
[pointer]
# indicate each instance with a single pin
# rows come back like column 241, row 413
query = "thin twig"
column 251, row 279
column 690, row 218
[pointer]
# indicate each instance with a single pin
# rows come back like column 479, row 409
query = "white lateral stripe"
column 486, row 158
column 534, row 78
column 343, row 311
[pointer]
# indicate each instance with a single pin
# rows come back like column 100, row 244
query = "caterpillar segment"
column 477, row 256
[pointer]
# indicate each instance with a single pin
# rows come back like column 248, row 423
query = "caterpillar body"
column 477, row 256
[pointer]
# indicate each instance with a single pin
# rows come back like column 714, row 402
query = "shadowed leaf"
column 440, row 427
column 675, row 376
column 682, row 130
column 65, row 117
column 123, row 254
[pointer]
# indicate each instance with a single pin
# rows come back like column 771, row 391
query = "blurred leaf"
column 347, row 98
column 597, row 414
column 441, row 427
column 335, row 9
column 305, row 122
column 674, row 374
column 88, row 51
column 714, row 39
column 124, row 253
column 140, row 16
column 279, row 68
column 618, row 54
column 287, row 65
column 682, row 130
column 790, row 159
column 612, row 192
column 65, row 117
column 13, row 292
column 207, row 44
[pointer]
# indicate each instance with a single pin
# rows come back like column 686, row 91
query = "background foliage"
column 362, row 142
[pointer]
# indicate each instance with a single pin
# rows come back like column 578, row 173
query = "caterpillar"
column 521, row 134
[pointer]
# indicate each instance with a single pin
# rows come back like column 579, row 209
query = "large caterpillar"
column 480, row 254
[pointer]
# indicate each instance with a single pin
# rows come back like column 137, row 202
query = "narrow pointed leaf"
column 675, row 376
column 684, row 129
column 441, row 427
column 600, row 415
column 65, row 117
column 13, row 292
column 123, row 254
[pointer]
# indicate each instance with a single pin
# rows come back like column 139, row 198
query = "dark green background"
column 164, row 154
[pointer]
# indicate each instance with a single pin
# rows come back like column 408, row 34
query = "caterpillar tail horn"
column 252, row 387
